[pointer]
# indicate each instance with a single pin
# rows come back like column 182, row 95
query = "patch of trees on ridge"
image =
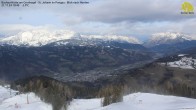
column 59, row 94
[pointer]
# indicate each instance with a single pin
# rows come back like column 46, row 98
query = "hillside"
column 142, row 101
column 65, row 62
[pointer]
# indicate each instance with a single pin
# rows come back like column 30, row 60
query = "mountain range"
column 69, row 56
column 165, row 43
column 66, row 55
column 43, row 37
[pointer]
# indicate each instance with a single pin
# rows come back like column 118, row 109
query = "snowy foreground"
column 136, row 101
column 19, row 102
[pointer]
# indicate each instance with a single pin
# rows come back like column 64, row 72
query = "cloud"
column 10, row 29
column 122, row 17
column 110, row 11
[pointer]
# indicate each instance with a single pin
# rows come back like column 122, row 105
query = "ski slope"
column 138, row 101
column 19, row 102
column 135, row 101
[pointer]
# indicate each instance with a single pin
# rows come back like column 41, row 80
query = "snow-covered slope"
column 168, row 38
column 184, row 63
column 6, row 93
column 138, row 101
column 43, row 37
column 19, row 102
column 135, row 101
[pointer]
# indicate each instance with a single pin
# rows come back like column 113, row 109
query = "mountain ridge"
column 43, row 37
column 167, row 38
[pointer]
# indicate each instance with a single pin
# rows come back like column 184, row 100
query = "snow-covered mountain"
column 43, row 37
column 37, row 37
column 73, row 53
column 167, row 38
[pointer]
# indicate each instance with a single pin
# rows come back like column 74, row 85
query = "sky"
column 137, row 18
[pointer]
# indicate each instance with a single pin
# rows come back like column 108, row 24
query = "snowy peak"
column 169, row 35
column 168, row 38
column 37, row 37
column 43, row 37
